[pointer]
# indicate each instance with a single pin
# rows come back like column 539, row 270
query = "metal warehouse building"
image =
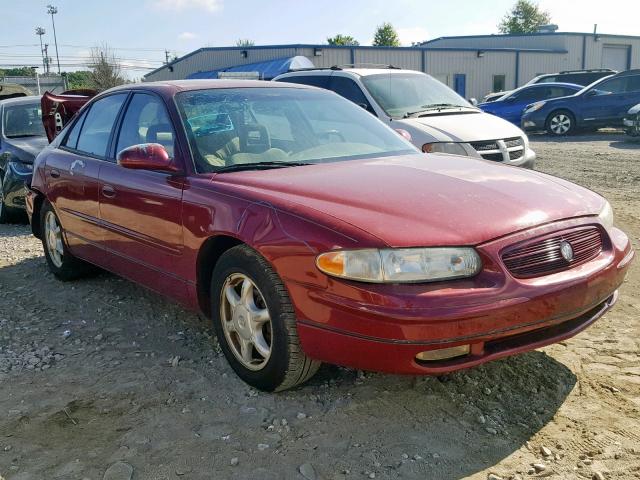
column 472, row 65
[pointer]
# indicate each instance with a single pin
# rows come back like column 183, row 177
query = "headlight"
column 606, row 215
column 534, row 106
column 21, row 168
column 401, row 265
column 444, row 147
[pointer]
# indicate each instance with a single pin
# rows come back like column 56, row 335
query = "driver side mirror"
column 147, row 156
column 473, row 101
column 592, row 93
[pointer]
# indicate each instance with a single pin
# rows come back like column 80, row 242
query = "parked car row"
column 575, row 77
column 309, row 231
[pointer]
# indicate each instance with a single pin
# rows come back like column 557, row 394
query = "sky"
column 139, row 31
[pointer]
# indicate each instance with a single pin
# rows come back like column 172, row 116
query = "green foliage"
column 386, row 36
column 79, row 79
column 245, row 42
column 340, row 39
column 18, row 72
column 524, row 17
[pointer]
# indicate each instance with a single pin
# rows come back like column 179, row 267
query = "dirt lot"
column 100, row 378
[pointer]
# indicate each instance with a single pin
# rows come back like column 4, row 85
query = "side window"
column 633, row 83
column 72, row 139
column 321, row 81
column 617, row 85
column 146, row 121
column 96, row 130
column 530, row 94
column 348, row 89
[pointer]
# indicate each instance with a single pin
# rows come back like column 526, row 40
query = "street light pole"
column 40, row 32
column 51, row 10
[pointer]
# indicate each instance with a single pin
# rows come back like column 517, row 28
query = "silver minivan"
column 424, row 110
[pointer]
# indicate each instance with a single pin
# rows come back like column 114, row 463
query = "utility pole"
column 51, row 10
column 47, row 60
column 40, row 32
column 166, row 56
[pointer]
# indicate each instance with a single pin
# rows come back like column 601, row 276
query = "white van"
column 435, row 117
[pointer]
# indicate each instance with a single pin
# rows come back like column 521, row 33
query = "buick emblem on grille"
column 566, row 250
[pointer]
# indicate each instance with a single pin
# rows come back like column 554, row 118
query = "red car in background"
column 310, row 232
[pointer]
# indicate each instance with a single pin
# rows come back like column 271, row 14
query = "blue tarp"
column 267, row 70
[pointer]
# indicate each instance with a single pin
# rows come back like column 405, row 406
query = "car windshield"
column 238, row 128
column 403, row 94
column 23, row 120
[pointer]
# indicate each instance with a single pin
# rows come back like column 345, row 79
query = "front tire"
column 255, row 322
column 561, row 122
column 59, row 260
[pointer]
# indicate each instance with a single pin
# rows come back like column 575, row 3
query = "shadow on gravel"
column 116, row 362
column 14, row 230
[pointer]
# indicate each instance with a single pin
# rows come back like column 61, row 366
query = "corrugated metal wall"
column 442, row 64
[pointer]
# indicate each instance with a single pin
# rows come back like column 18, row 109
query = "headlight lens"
column 444, row 147
column 534, row 106
column 401, row 265
column 606, row 215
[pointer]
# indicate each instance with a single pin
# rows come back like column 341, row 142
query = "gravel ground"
column 101, row 379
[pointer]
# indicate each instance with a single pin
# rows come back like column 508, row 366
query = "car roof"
column 21, row 100
column 552, row 84
column 174, row 86
column 362, row 72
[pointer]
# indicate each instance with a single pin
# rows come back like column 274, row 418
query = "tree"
column 79, row 79
column 245, row 42
column 386, row 36
column 104, row 69
column 18, row 72
column 340, row 39
column 524, row 17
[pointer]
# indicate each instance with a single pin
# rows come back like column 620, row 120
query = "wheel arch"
column 210, row 252
column 38, row 201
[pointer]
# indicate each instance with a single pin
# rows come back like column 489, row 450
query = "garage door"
column 615, row 57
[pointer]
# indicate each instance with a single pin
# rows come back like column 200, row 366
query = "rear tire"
column 560, row 123
column 255, row 322
column 59, row 260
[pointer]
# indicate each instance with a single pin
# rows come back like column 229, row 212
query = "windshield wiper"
column 433, row 106
column 259, row 166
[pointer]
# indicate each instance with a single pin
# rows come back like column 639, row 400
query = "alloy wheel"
column 246, row 321
column 53, row 238
column 560, row 124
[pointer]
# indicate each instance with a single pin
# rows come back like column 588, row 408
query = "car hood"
column 422, row 200
column 463, row 127
column 25, row 149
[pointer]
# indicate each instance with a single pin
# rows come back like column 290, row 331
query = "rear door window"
column 350, row 90
column 321, row 81
column 98, row 125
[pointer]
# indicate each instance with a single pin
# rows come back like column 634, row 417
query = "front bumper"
column 14, row 188
column 384, row 327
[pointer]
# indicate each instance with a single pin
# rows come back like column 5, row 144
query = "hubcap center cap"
column 242, row 321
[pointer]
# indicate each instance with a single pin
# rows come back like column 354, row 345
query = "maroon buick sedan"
column 310, row 232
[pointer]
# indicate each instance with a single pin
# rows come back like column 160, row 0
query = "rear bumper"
column 382, row 328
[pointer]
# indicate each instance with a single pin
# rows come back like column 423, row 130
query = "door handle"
column 54, row 173
column 108, row 191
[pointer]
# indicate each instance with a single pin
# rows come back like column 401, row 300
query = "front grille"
column 542, row 256
column 500, row 150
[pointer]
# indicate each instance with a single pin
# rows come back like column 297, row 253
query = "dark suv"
column 577, row 77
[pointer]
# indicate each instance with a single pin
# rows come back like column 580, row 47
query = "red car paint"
column 156, row 228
